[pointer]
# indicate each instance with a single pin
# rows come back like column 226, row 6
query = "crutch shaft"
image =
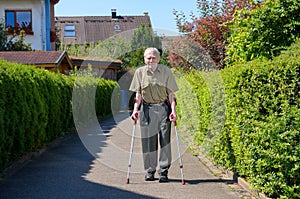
column 130, row 156
column 179, row 157
column 131, row 148
column 179, row 154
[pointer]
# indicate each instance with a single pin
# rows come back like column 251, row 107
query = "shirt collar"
column 158, row 69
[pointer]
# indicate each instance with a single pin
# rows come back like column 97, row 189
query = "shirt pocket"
column 145, row 82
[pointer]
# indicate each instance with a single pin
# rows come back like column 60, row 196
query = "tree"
column 210, row 29
column 264, row 32
column 188, row 54
column 109, row 49
column 143, row 37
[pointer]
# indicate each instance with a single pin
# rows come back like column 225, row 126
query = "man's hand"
column 135, row 115
column 173, row 117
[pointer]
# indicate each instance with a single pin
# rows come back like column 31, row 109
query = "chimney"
column 113, row 13
column 146, row 13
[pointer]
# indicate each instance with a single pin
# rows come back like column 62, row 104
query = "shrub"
column 264, row 31
column 36, row 107
column 260, row 137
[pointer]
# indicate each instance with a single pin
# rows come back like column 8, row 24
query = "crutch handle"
column 135, row 117
column 172, row 117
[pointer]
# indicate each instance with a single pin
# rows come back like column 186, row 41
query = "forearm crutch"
column 179, row 154
column 131, row 148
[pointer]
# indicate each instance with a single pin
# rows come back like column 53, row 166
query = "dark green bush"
column 263, row 124
column 260, row 137
column 36, row 107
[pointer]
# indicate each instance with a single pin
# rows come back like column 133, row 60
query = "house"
column 92, row 29
column 57, row 61
column 105, row 69
column 35, row 17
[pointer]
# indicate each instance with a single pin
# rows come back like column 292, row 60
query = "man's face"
column 151, row 59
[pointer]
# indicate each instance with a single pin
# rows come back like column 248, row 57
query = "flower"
column 17, row 28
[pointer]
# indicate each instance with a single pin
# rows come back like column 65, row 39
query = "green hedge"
column 259, row 139
column 36, row 107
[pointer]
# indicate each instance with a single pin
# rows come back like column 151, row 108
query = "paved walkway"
column 93, row 164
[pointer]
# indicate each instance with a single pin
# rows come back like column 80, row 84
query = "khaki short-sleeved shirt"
column 154, row 87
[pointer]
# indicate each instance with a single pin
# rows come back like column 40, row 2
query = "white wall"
column 38, row 39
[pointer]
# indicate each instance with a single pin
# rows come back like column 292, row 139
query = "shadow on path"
column 59, row 173
column 202, row 181
column 71, row 170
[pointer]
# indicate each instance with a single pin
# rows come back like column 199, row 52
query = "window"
column 17, row 20
column 69, row 30
column 117, row 27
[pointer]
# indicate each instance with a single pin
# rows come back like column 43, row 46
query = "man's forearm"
column 172, row 102
column 137, row 101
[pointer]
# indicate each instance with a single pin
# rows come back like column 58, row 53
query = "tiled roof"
column 33, row 57
column 94, row 28
column 96, row 63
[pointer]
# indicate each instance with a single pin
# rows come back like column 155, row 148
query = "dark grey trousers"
column 155, row 125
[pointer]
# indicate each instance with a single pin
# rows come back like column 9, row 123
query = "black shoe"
column 163, row 178
column 149, row 177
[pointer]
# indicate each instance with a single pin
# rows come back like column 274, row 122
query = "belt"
column 149, row 104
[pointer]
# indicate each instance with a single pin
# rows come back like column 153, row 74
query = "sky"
column 160, row 12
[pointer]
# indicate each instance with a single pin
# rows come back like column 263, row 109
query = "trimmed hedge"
column 259, row 139
column 36, row 107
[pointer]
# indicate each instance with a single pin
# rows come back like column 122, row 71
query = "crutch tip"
column 127, row 181
column 183, row 182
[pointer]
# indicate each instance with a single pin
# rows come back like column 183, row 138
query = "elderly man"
column 155, row 85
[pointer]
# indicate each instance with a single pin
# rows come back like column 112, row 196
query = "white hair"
column 152, row 49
